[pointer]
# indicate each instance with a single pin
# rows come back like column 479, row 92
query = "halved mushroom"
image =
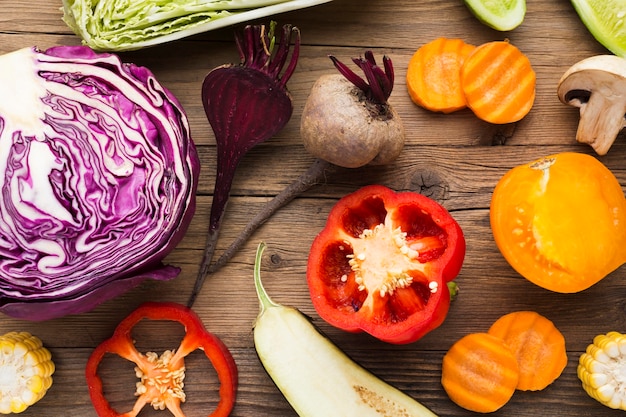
column 597, row 85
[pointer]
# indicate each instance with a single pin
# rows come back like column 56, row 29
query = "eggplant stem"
column 316, row 174
column 265, row 302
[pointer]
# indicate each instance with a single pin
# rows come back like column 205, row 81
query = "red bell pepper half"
column 161, row 383
column 383, row 262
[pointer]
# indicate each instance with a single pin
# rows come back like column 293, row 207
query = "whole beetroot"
column 348, row 122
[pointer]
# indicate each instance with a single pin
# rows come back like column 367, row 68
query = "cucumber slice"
column 605, row 20
column 502, row 15
column 314, row 375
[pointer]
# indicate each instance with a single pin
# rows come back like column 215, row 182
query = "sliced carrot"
column 498, row 82
column 480, row 373
column 434, row 75
column 537, row 344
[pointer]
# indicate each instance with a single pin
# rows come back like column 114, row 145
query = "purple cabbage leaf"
column 98, row 174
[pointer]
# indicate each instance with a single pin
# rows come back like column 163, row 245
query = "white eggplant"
column 314, row 375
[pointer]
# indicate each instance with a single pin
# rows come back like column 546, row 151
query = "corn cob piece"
column 26, row 370
column 602, row 370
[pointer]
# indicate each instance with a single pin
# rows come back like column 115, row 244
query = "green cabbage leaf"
column 118, row 25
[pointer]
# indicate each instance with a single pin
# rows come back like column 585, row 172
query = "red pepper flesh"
column 382, row 264
column 167, row 372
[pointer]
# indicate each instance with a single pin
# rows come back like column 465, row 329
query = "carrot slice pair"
column 495, row 79
column 521, row 351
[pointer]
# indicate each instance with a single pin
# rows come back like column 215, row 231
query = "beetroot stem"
column 378, row 83
column 316, row 174
column 350, row 75
column 221, row 193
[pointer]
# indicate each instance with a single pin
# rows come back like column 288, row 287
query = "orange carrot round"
column 434, row 75
column 498, row 82
column 480, row 373
column 537, row 344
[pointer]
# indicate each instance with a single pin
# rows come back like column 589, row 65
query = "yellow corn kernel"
column 601, row 370
column 26, row 370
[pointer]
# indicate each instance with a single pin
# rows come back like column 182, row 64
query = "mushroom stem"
column 601, row 120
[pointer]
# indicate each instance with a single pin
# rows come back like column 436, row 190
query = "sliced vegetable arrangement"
column 559, row 221
column 522, row 350
column 495, row 79
column 601, row 370
column 161, row 377
column 245, row 104
column 99, row 174
column 26, row 371
column 314, row 375
column 119, row 26
column 383, row 262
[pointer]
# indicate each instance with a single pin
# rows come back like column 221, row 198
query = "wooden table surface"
column 455, row 159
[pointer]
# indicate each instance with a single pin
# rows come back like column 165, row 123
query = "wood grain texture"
column 455, row 159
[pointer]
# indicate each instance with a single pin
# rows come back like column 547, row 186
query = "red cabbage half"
column 98, row 175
